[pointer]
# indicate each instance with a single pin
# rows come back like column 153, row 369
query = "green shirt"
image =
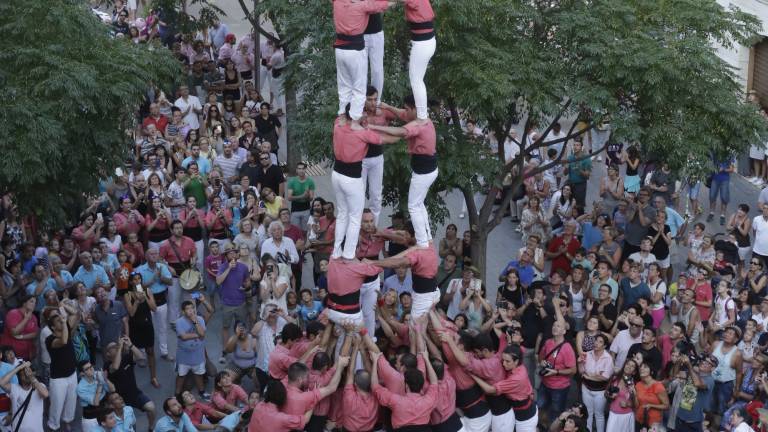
column 298, row 188
column 196, row 188
column 576, row 167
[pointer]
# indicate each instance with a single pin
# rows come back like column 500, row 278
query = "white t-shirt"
column 45, row 357
column 760, row 225
column 191, row 118
column 721, row 309
column 266, row 343
column 659, row 286
column 620, row 346
column 645, row 261
column 743, row 427
column 761, row 320
column 278, row 253
column 33, row 418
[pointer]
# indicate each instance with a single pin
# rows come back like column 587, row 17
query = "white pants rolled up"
column 174, row 301
column 90, row 425
column 504, row 422
column 200, row 254
column 350, row 201
column 369, row 293
column 374, row 50
column 479, row 424
column 342, row 318
column 373, row 174
column 277, row 89
column 264, row 76
column 417, row 192
column 421, row 54
column 160, row 323
column 530, row 424
column 595, row 403
column 422, row 303
column 63, row 396
column 351, row 80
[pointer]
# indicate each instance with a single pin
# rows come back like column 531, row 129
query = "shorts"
column 693, row 190
column 183, row 370
column 664, row 263
column 722, row 188
column 757, row 152
column 136, row 401
column 229, row 314
column 744, row 252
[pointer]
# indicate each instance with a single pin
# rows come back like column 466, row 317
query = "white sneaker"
column 461, row 215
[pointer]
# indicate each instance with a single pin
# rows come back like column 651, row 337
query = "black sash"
column 195, row 233
column 374, row 150
column 451, row 424
column 423, row 285
column 375, row 24
column 349, row 42
column 524, row 409
column 413, row 428
column 347, row 303
column 423, row 164
column 349, row 169
column 499, row 404
column 426, row 25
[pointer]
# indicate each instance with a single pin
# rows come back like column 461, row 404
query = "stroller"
column 726, row 268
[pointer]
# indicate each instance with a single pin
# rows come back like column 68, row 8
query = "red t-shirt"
column 563, row 358
column 562, row 261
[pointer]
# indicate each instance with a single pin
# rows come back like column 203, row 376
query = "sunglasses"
column 755, row 262
column 636, row 325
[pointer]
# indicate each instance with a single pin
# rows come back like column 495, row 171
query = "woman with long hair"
column 534, row 221
column 227, row 396
column 158, row 223
column 243, row 347
column 512, row 290
column 631, row 177
column 650, row 397
column 611, row 189
column 562, row 207
column 620, row 394
column 111, row 238
column 595, row 367
column 140, row 303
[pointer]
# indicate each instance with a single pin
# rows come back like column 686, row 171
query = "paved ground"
column 500, row 246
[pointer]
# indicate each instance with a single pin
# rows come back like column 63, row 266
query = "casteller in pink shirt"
column 350, row 145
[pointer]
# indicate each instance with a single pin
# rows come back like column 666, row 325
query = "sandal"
column 155, row 383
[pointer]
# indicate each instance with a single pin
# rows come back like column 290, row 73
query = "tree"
column 71, row 91
column 647, row 66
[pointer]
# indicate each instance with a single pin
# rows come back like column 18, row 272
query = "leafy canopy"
column 70, row 92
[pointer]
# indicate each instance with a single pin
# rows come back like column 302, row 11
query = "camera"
column 546, row 368
column 628, row 381
column 613, row 389
column 270, row 269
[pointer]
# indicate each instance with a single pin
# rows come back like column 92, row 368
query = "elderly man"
column 280, row 247
column 157, row 277
column 156, row 119
column 90, row 274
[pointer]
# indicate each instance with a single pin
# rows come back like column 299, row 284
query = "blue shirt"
column 190, row 352
column 50, row 285
column 393, row 283
column 4, row 369
column 148, row 274
column 167, row 424
column 89, row 278
column 66, row 277
column 28, row 265
column 86, row 391
column 674, row 220
column 526, row 273
column 591, row 235
column 128, row 422
column 203, row 165
column 110, row 262
column 310, row 313
column 694, row 400
column 631, row 294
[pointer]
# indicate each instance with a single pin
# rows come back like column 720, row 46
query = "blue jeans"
column 554, row 400
column 681, row 426
column 721, row 187
column 721, row 395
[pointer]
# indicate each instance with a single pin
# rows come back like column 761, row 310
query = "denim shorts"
column 721, row 187
column 721, row 395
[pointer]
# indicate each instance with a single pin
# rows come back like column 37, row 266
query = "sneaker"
column 750, row 179
column 710, row 217
column 222, row 359
column 722, row 220
column 204, row 395
column 461, row 215
column 519, row 229
column 515, row 219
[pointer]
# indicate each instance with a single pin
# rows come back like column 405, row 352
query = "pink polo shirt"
column 459, row 373
column 423, row 262
column 418, row 11
column 564, row 358
column 186, row 250
column 516, row 385
column 346, row 277
column 421, row 138
column 445, row 405
column 380, row 117
column 318, row 380
column 489, row 369
column 267, row 418
column 124, row 224
column 351, row 145
column 393, row 379
column 298, row 402
column 279, row 361
column 350, row 17
column 361, row 410
column 410, row 410
column 369, row 246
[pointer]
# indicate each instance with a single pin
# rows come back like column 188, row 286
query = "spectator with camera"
column 696, row 390
column 557, row 363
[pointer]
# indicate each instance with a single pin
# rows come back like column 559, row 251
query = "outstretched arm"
column 390, row 130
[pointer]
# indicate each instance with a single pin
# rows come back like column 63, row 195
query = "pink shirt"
column 393, row 379
column 411, row 409
column 445, row 405
column 351, row 145
column 345, row 277
column 298, row 402
column 516, row 385
column 125, row 225
column 380, row 117
column 186, row 250
column 418, row 11
column 266, row 418
column 563, row 358
column 198, row 410
column 190, row 222
column 489, row 369
column 459, row 373
column 369, row 246
column 316, row 381
column 85, row 244
column 423, row 262
column 279, row 361
column 361, row 410
column 421, row 138
column 602, row 366
column 350, row 17
column 235, row 394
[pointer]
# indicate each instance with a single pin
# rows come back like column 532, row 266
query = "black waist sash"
column 349, row 42
column 195, row 233
column 498, row 404
column 423, row 285
column 423, row 164
column 471, row 402
column 524, row 409
column 374, row 150
column 451, row 424
column 349, row 169
column 375, row 24
column 426, row 25
column 347, row 303
column 413, row 428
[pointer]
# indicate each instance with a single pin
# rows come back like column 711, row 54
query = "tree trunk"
column 479, row 243
column 293, row 152
column 257, row 48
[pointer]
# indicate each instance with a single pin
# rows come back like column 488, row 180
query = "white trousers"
column 264, row 78
column 90, row 425
column 421, row 54
column 278, row 91
column 620, row 422
column 199, row 254
column 373, row 175
column 417, row 192
column 160, row 323
column 530, row 424
column 174, row 301
column 369, row 293
column 422, row 303
column 595, row 403
column 374, row 50
column 63, row 396
column 351, row 80
column 350, row 201
column 504, row 422
column 479, row 424
column 342, row 318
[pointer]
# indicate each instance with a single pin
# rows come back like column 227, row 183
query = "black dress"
column 235, row 94
column 140, row 325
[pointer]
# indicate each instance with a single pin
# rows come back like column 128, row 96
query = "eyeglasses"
column 636, row 325
column 264, row 159
column 755, row 262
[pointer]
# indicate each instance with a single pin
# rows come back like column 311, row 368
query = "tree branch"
column 256, row 24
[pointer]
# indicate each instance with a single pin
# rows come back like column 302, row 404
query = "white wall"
column 738, row 56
